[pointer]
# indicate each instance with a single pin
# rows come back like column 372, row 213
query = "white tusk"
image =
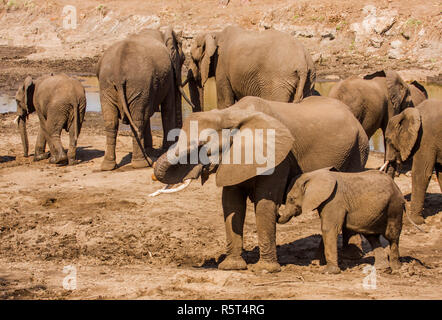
column 16, row 119
column 167, row 190
column 384, row 166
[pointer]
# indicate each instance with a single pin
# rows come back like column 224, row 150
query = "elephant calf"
column 60, row 102
column 368, row 203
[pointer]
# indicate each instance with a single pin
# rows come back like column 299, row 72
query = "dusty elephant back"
column 58, row 90
column 325, row 132
column 271, row 72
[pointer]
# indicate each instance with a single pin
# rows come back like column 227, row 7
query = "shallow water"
column 8, row 104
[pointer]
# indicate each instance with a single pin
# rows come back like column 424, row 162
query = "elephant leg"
column 350, row 250
column 168, row 117
column 72, row 151
column 422, row 170
column 138, row 160
column 265, row 211
column 111, row 123
column 40, row 146
column 439, row 174
column 234, row 206
column 380, row 258
column 54, row 125
column 224, row 91
column 147, row 135
column 331, row 225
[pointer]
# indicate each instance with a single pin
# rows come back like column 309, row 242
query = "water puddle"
column 8, row 104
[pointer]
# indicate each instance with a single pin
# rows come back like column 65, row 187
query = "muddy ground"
column 125, row 244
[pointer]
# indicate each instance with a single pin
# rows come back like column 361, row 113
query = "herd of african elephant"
column 264, row 81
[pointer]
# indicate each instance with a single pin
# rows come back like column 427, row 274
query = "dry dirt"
column 125, row 244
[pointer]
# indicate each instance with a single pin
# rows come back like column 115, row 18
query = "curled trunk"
column 23, row 135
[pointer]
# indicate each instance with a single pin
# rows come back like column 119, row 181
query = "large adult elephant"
column 417, row 133
column 136, row 76
column 316, row 133
column 60, row 103
column 373, row 99
column 267, row 64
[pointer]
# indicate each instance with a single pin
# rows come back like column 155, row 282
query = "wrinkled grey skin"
column 417, row 133
column 60, row 103
column 267, row 64
column 368, row 203
column 136, row 76
column 316, row 133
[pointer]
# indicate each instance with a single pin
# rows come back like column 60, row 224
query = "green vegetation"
column 412, row 22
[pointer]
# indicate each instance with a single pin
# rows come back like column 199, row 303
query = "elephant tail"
column 120, row 88
column 299, row 95
column 411, row 221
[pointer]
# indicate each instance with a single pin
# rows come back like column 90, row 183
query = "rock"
column 328, row 33
column 395, row 54
column 376, row 41
column 396, row 44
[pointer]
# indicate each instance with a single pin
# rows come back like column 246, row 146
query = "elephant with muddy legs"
column 268, row 64
column 315, row 133
column 368, row 202
column 417, row 133
column 136, row 76
column 60, row 103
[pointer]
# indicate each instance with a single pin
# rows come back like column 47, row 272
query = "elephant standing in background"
column 60, row 103
column 268, row 64
column 374, row 99
column 136, row 76
column 417, row 133
column 315, row 133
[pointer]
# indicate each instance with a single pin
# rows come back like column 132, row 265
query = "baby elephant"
column 60, row 103
column 368, row 203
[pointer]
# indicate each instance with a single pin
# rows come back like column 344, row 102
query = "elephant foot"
column 352, row 252
column 233, row 263
column 417, row 218
column 72, row 162
column 381, row 265
column 332, row 269
column 265, row 266
column 108, row 165
column 60, row 160
column 395, row 265
column 42, row 156
column 142, row 163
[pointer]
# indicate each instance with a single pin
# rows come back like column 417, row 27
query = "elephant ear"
column 397, row 90
column 421, row 88
column 173, row 44
column 375, row 75
column 403, row 130
column 210, row 47
column 317, row 189
column 271, row 142
column 27, row 95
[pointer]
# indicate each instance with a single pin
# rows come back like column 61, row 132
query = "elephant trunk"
column 196, row 91
column 23, row 134
column 286, row 214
